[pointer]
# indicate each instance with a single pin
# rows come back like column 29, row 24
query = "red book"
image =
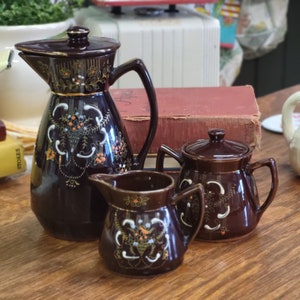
column 186, row 114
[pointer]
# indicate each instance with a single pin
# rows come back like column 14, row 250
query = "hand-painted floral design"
column 136, row 200
column 141, row 242
column 120, row 148
column 100, row 158
column 216, row 212
column 120, row 151
column 50, row 154
column 75, row 78
column 76, row 141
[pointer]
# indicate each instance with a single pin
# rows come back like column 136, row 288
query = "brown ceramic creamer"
column 232, row 206
column 142, row 234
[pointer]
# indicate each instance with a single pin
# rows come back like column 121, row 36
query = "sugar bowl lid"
column 78, row 44
column 216, row 148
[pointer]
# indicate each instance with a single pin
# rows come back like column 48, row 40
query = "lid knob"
column 78, row 37
column 216, row 135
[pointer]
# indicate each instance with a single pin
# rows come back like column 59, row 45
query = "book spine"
column 176, row 132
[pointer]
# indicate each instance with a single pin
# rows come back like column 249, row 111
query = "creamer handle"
column 192, row 191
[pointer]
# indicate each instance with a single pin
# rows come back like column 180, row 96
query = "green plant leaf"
column 28, row 12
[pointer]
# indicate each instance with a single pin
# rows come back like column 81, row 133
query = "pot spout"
column 40, row 67
column 104, row 184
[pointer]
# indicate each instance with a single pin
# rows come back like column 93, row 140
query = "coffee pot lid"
column 216, row 147
column 77, row 45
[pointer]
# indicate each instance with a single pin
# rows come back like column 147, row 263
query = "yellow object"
column 11, row 157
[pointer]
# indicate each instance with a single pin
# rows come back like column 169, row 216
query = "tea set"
column 87, row 184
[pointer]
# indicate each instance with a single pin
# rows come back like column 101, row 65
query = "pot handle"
column 271, row 164
column 162, row 151
column 138, row 66
column 194, row 192
column 287, row 115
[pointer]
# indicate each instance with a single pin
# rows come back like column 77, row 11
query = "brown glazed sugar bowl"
column 232, row 204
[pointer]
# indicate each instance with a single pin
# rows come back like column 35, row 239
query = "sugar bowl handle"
column 271, row 164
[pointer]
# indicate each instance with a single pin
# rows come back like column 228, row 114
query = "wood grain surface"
column 266, row 265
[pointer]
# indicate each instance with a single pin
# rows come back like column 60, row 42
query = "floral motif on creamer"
column 135, row 200
column 141, row 242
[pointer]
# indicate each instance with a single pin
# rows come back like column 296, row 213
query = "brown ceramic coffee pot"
column 232, row 206
column 81, row 131
column 142, row 234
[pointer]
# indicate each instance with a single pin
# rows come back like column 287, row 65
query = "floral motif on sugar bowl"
column 217, row 206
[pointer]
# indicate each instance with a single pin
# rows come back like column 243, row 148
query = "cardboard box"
column 186, row 114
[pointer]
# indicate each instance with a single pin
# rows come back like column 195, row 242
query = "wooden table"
column 266, row 265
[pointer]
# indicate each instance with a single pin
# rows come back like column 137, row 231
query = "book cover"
column 186, row 114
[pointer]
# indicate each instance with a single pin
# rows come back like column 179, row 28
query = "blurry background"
column 281, row 67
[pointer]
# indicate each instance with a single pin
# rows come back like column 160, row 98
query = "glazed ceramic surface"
column 292, row 133
column 142, row 233
column 81, row 131
column 232, row 206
